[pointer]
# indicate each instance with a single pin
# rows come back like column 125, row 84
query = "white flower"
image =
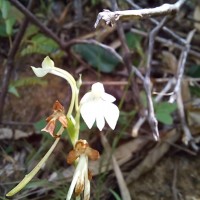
column 97, row 105
column 47, row 67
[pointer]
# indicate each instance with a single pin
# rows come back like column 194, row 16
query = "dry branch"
column 112, row 17
column 147, row 82
column 156, row 22
column 127, row 60
column 181, row 67
column 166, row 42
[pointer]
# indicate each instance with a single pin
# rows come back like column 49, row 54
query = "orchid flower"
column 81, row 178
column 97, row 105
column 48, row 67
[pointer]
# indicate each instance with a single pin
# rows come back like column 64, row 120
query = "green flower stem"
column 77, row 107
column 74, row 135
column 29, row 176
column 69, row 78
column 77, row 125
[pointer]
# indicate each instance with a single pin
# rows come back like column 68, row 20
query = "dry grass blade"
column 120, row 179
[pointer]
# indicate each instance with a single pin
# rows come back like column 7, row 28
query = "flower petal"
column 92, row 153
column 87, row 189
column 100, row 121
column 40, row 72
column 47, row 63
column 88, row 113
column 79, row 169
column 72, row 156
column 98, row 87
column 73, row 183
column 86, row 98
column 111, row 114
column 63, row 120
column 107, row 97
column 50, row 127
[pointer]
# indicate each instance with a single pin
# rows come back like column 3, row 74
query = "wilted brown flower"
column 82, row 175
column 58, row 114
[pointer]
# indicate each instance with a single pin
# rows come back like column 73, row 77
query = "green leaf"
column 95, row 2
column 3, row 30
column 165, row 107
column 195, row 91
column 98, row 57
column 134, row 42
column 193, row 71
column 24, row 82
column 165, row 118
column 28, row 81
column 9, row 25
column 163, row 112
column 40, row 44
column 30, row 31
column 7, row 19
column 125, row 117
column 13, row 90
column 39, row 125
column 5, row 8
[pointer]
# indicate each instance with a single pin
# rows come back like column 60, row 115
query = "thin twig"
column 166, row 42
column 147, row 82
column 111, row 17
column 35, row 21
column 128, row 61
column 181, row 67
column 187, row 138
column 10, row 65
column 158, row 98
column 67, row 45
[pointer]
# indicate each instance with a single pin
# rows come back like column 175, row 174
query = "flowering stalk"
column 48, row 67
column 96, row 105
column 29, row 176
